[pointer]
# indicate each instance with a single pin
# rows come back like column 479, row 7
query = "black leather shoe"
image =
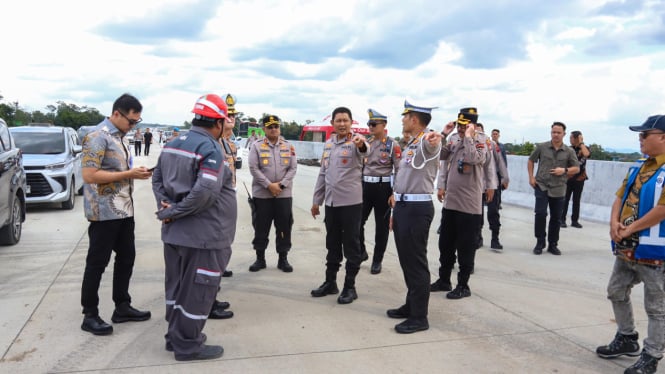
column 347, row 296
column 126, row 313
column 496, row 245
column 440, row 285
column 398, row 313
column 327, row 288
column 412, row 325
column 227, row 274
column 221, row 305
column 259, row 264
column 576, row 225
column 538, row 249
column 376, row 268
column 552, row 248
column 95, row 325
column 283, row 265
column 458, row 293
column 208, row 352
column 220, row 314
column 563, row 224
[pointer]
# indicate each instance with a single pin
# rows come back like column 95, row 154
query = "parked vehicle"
column 12, row 188
column 52, row 162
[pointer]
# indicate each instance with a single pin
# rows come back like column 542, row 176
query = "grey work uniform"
column 381, row 162
column 462, row 177
column 191, row 176
column 339, row 186
column 271, row 163
column 412, row 217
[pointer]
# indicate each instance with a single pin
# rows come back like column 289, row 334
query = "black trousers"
column 458, row 233
column 493, row 216
column 411, row 224
column 278, row 211
column 555, row 204
column 147, row 148
column 137, row 148
column 343, row 240
column 573, row 188
column 375, row 196
column 106, row 237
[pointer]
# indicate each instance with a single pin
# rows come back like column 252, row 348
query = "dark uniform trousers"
column 458, row 233
column 411, row 224
column 573, row 188
column 375, row 196
column 555, row 204
column 343, row 239
column 105, row 237
column 192, row 277
column 278, row 211
column 493, row 216
column 137, row 147
column 146, row 151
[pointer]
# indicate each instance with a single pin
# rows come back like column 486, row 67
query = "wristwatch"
column 565, row 171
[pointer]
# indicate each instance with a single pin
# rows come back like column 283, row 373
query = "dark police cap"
column 656, row 122
column 467, row 115
column 270, row 119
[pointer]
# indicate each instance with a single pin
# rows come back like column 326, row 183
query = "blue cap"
column 376, row 116
column 656, row 122
column 176, row 129
column 408, row 107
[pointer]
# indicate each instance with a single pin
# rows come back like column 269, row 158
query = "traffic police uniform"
column 382, row 158
column 462, row 205
column 191, row 177
column 412, row 216
column 230, row 149
column 490, row 180
column 270, row 163
column 339, row 186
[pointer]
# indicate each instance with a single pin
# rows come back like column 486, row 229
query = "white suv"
column 52, row 162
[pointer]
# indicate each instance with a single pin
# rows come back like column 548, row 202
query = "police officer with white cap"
column 413, row 211
column 381, row 162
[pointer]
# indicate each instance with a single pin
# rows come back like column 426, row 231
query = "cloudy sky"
column 596, row 65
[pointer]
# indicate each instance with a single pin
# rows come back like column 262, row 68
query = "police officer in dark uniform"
column 339, row 186
column 413, row 212
column 273, row 164
column 382, row 159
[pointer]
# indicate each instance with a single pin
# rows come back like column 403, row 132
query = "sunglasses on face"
column 132, row 122
column 272, row 127
column 645, row 134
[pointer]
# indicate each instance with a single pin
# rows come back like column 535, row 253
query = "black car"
column 12, row 188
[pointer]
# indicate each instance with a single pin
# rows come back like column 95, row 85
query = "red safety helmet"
column 210, row 106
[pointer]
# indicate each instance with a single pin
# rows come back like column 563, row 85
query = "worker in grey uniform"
column 273, row 165
column 381, row 162
column 462, row 204
column 339, row 186
column 413, row 211
column 197, row 207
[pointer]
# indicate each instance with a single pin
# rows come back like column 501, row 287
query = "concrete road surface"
column 527, row 314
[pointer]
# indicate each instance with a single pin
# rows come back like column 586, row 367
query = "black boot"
column 260, row 262
column 496, row 245
column 283, row 263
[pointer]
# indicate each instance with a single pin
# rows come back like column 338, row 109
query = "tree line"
column 75, row 116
